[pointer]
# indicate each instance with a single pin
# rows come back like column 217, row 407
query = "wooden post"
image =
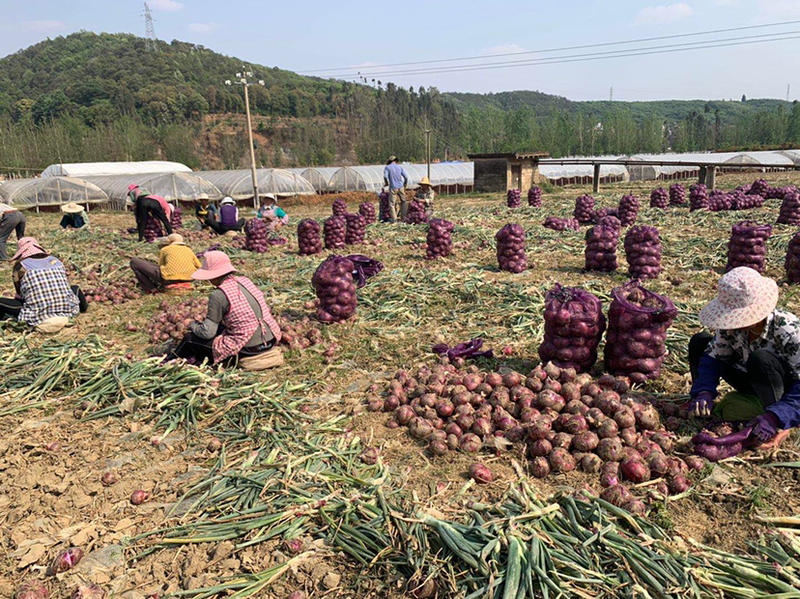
column 596, row 178
column 711, row 177
column 702, row 176
column 536, row 177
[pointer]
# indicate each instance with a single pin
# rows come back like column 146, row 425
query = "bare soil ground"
column 53, row 498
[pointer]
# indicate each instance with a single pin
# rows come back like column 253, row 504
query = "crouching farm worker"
column 755, row 349
column 44, row 299
column 176, row 265
column 238, row 328
column 205, row 211
column 269, row 210
column 11, row 221
column 75, row 216
column 425, row 195
column 228, row 217
column 144, row 204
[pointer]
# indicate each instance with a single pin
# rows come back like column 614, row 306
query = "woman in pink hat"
column 145, row 204
column 755, row 349
column 43, row 289
column 238, row 322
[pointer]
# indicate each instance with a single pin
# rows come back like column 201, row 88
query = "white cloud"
column 667, row 13
column 166, row 5
column 45, row 25
column 202, row 27
column 779, row 8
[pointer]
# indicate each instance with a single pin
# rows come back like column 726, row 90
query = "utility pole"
column 428, row 147
column 788, row 87
column 611, row 94
column 149, row 30
column 241, row 79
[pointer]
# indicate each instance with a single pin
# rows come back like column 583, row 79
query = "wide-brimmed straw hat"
column 71, row 208
column 744, row 298
column 27, row 247
column 270, row 196
column 215, row 265
column 227, row 200
column 201, row 196
column 424, row 181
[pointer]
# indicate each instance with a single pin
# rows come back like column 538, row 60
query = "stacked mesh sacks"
column 790, row 209
column 627, row 210
column 745, row 201
column 335, row 231
column 638, row 320
column 677, row 195
column 584, row 209
column 718, row 201
column 759, row 187
column 659, row 198
column 601, row 248
column 367, row 210
column 573, row 326
column 748, row 245
column 698, row 197
column 335, row 289
column 643, row 252
column 511, row 248
column 355, row 229
column 309, row 240
column 439, row 239
column 535, row 196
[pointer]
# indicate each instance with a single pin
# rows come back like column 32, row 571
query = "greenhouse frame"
column 95, row 169
column 238, row 184
column 175, row 186
column 25, row 194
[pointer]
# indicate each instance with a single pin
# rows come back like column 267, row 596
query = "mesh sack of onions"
column 416, row 213
column 718, row 201
column 309, row 240
column 535, row 196
column 612, row 221
column 511, row 248
column 677, row 195
column 779, row 193
column 367, row 210
column 745, row 201
column 573, row 326
column 659, row 198
column 643, row 252
column 172, row 321
column 335, row 289
column 561, row 224
column 792, row 263
column 439, row 239
column 628, row 209
column 759, row 187
column 790, row 209
column 339, row 207
column 356, row 229
column 638, row 320
column 152, row 229
column 748, row 245
column 601, row 248
column 335, row 232
column 698, row 197
column 602, row 213
column 255, row 231
column 584, row 209
column 384, row 210
column 176, row 219
column 513, row 198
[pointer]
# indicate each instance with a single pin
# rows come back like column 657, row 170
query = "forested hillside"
column 93, row 96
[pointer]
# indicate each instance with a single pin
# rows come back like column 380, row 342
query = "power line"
column 547, row 50
column 669, row 49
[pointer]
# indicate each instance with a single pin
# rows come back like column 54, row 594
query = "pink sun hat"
column 26, row 247
column 132, row 186
column 215, row 264
column 744, row 298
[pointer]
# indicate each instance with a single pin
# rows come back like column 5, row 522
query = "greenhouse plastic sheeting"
column 452, row 173
column 50, row 191
column 238, row 183
column 756, row 158
column 170, row 186
column 793, row 155
column 358, row 178
column 319, row 176
column 554, row 172
column 86, row 169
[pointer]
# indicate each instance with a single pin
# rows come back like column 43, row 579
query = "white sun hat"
column 744, row 298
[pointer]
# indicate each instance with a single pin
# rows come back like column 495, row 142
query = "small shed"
column 503, row 171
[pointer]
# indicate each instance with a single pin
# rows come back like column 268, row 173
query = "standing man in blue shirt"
column 395, row 177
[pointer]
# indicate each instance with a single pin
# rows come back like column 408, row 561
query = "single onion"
column 138, row 497
column 480, row 473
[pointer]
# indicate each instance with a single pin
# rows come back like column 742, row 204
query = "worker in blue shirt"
column 394, row 176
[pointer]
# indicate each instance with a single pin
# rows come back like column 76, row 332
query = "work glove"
column 702, row 404
column 765, row 427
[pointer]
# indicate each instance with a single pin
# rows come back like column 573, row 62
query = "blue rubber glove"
column 766, row 427
column 702, row 404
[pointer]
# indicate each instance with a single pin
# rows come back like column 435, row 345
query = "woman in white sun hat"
column 75, row 216
column 755, row 349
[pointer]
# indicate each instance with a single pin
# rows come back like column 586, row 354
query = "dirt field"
column 53, row 497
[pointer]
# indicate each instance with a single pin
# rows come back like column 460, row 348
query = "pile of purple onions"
column 335, row 232
column 628, row 210
column 513, row 198
column 643, row 252
column 367, row 210
column 339, row 207
column 255, row 231
column 416, row 213
column 115, row 292
column 152, row 229
column 172, row 322
column 176, row 218
column 356, row 229
column 336, row 290
column 748, row 245
column 677, row 195
column 584, row 209
column 511, row 248
column 384, row 207
column 790, row 209
column 535, row 196
column 309, row 240
column 698, row 197
column 659, row 198
column 601, row 247
column 439, row 239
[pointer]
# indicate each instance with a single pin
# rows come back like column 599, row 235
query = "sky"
column 355, row 35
